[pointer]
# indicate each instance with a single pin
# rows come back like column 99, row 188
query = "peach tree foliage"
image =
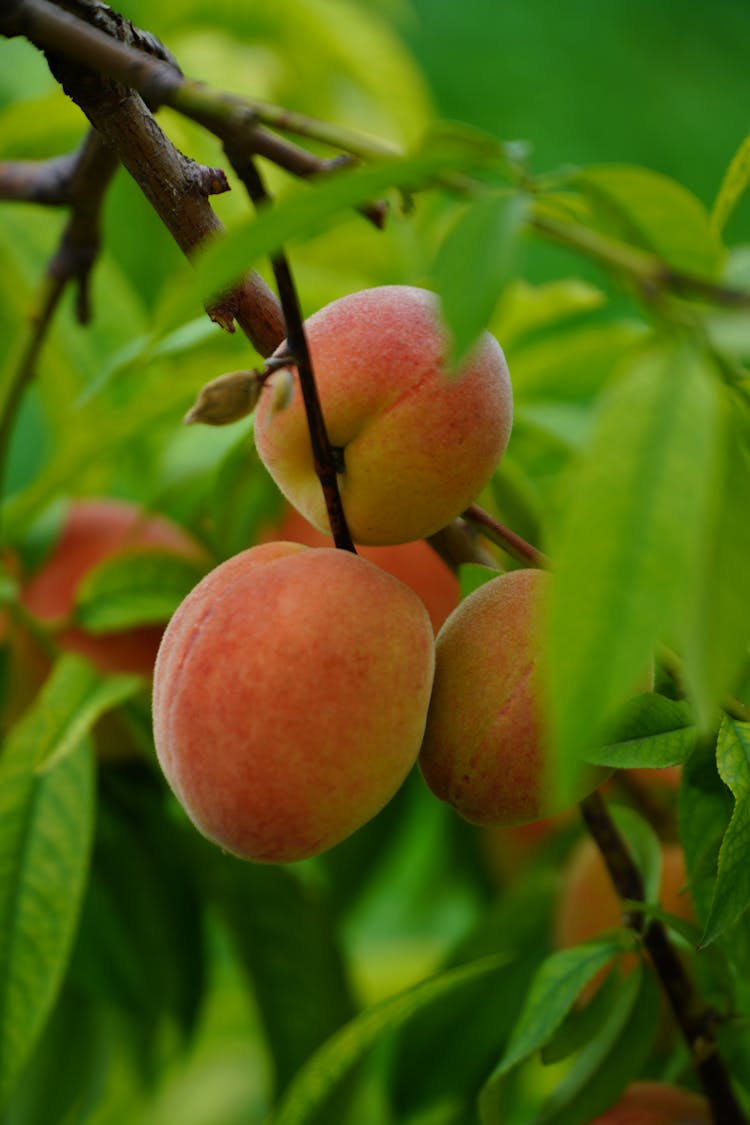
column 390, row 975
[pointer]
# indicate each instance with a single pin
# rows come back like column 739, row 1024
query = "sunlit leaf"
column 475, row 260
column 304, row 213
column 733, row 187
column 715, row 635
column 631, row 554
column 657, row 213
column 46, row 817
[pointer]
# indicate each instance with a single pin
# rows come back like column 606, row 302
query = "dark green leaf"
column 556, row 987
column 582, row 1024
column 145, row 866
column 134, row 588
column 284, row 934
column 46, row 817
column 644, row 845
column 612, row 1058
column 732, row 892
column 650, row 731
column 705, row 809
column 332, row 1063
column 476, row 259
column 634, row 541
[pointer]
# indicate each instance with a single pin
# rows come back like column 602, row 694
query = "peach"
column 290, row 696
column 486, row 749
column 96, row 530
column 589, row 905
column 656, row 1103
column 415, row 564
column 417, row 442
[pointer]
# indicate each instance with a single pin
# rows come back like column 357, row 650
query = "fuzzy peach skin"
column 657, row 1103
column 290, row 696
column 485, row 749
column 96, row 530
column 415, row 564
column 418, row 444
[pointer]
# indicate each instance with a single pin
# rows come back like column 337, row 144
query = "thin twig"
column 696, row 1021
column 296, row 343
column 162, row 84
column 502, row 536
column 40, row 322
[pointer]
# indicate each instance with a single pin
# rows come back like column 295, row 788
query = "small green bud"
column 226, row 399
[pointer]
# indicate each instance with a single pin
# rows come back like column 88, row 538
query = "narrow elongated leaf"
column 633, row 546
column 134, row 588
column 716, row 633
column 732, row 892
column 705, row 810
column 733, row 187
column 556, row 987
column 612, row 1058
column 46, row 816
column 331, row 1064
column 656, row 213
column 307, row 212
column 649, row 732
column 476, row 259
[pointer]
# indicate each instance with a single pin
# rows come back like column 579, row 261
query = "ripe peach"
column 290, row 696
column 96, row 530
column 485, row 749
column 415, row 564
column 656, row 1103
column 418, row 443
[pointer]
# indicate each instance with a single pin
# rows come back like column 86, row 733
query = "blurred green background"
column 663, row 84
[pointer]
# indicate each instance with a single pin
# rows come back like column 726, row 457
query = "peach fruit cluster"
column 296, row 687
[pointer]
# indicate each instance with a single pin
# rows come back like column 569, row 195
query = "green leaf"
column 644, row 845
column 555, row 989
column 716, row 632
column 732, row 892
column 307, row 212
column 134, row 588
column 611, row 1059
column 332, row 1063
column 632, row 548
column 475, row 260
column 582, row 1024
column 286, row 940
column 733, row 187
column 656, row 213
column 46, row 817
column 649, row 732
column 530, row 309
column 705, row 810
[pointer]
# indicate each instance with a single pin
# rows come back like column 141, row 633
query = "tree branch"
column 696, row 1021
